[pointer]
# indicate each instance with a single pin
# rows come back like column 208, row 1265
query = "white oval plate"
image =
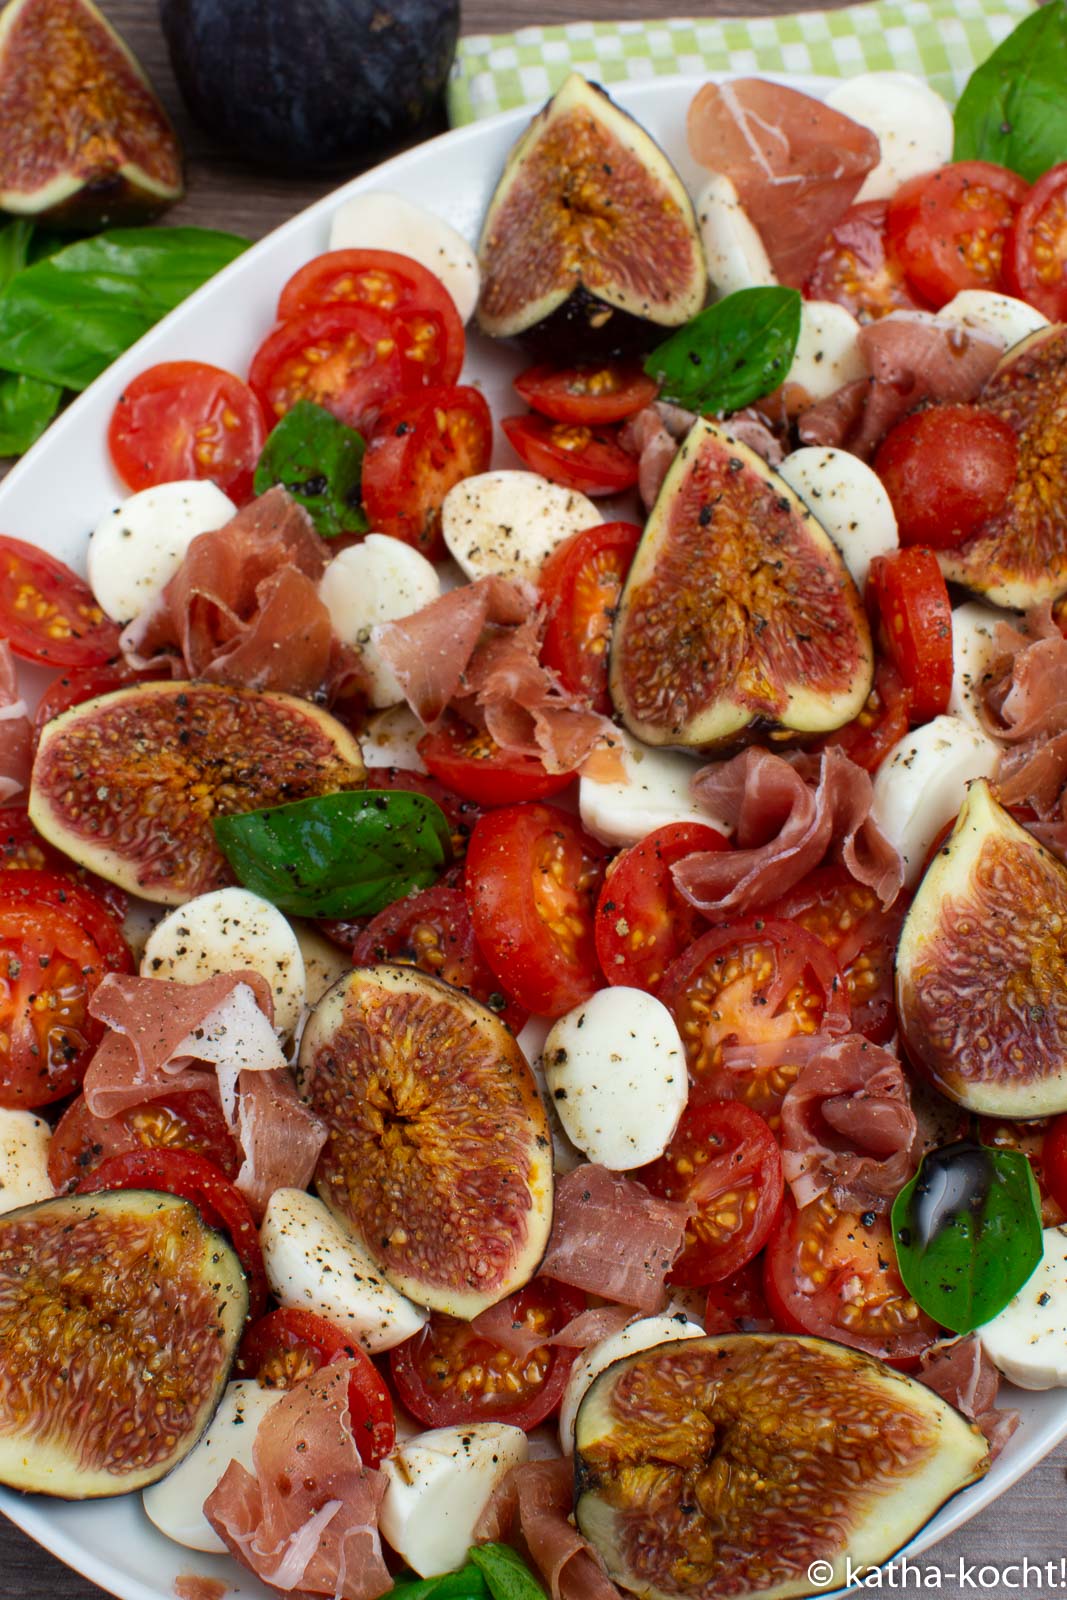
column 55, row 495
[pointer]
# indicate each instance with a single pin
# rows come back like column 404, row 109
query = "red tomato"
column 22, row 848
column 1044, row 1144
column 1054, row 1161
column 472, row 764
column 286, row 1346
column 855, row 270
column 643, row 923
column 1035, row 262
column 578, row 457
column 194, row 1178
column 580, row 586
column 346, row 358
column 446, row 1375
column 47, row 613
column 738, row 1304
column 29, row 887
column 533, row 875
column 591, row 394
column 422, row 446
column 948, row 229
column 185, row 419
column 724, row 1160
column 460, row 814
column 50, row 967
column 384, row 279
column 884, row 720
column 754, row 983
column 907, row 592
column 77, row 685
column 188, row 1120
column 834, row 1274
column 947, row 471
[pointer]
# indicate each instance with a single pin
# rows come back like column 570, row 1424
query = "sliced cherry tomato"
column 855, row 269
column 50, row 967
column 884, row 720
column 473, row 764
column 346, row 358
column 580, row 586
column 20, row 887
column 723, row 1160
column 22, row 848
column 572, row 454
column 1044, row 1144
column 906, row 591
column 77, row 685
column 47, row 613
column 738, row 1304
column 949, row 228
column 188, row 1120
column 740, row 995
column 289, row 1345
column 422, row 446
column 185, row 419
column 194, row 1178
column 834, row 1274
column 447, row 1375
column 848, row 917
column 533, row 875
column 1035, row 262
column 643, row 922
column 591, row 394
column 460, row 814
column 947, row 471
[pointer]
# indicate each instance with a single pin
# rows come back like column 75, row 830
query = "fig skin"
column 982, row 967
column 87, row 143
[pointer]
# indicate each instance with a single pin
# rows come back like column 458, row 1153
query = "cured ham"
column 655, row 433
column 613, row 1238
column 16, row 730
column 787, row 817
column 280, row 1137
column 430, row 650
column 1025, row 704
column 961, row 1373
column 589, row 1327
column 544, row 1492
column 306, row 1519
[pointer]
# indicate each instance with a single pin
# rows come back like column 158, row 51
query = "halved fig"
column 120, row 1316
column 982, row 967
column 86, row 142
column 128, row 783
column 1020, row 557
column 590, row 241
column 739, row 612
column 439, row 1157
column 755, row 1464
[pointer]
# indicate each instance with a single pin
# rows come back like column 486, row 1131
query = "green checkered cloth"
column 941, row 40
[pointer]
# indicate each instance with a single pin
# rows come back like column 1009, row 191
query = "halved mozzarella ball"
column 437, row 1486
column 510, row 522
column 999, row 317
column 324, row 961
column 828, row 353
column 176, row 1503
column 24, row 1141
column 385, row 221
column 848, row 499
column 616, row 1074
column 912, row 122
column 136, row 549
column 974, row 631
column 314, row 1264
column 565, row 1155
column 1028, row 1339
column 629, row 789
column 919, row 786
column 391, row 739
column 736, row 255
column 644, row 1334
column 378, row 580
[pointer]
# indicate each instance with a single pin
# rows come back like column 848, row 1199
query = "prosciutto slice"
column 279, row 1135
column 16, row 730
column 587, row 1328
column 306, row 1519
column 544, row 1493
column 655, row 434
column 613, row 1238
column 787, row 817
column 961, row 1373
column 1025, row 704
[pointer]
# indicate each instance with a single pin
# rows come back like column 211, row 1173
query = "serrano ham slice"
column 430, row 650
column 1025, row 704
column 613, row 1238
column 279, row 1135
column 961, row 1373
column 655, row 433
column 587, row 1328
column 544, row 1492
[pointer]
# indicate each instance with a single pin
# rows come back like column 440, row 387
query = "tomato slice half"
column 186, row 419
column 643, row 922
column 422, row 446
column 572, row 454
column 1035, row 263
column 50, row 967
column 739, row 1304
column 19, row 887
column 47, row 613
column 856, row 269
column 907, row 592
column 580, row 585
column 191, row 1119
column 345, row 358
column 383, row 279
column 594, row 394
column 883, row 722
column 949, row 229
column 471, row 763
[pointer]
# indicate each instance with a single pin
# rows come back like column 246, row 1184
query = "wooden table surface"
column 1026, row 1522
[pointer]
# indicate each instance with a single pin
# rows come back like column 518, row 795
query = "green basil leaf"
column 67, row 318
column 338, row 855
column 967, row 1230
column 731, row 354
column 27, row 406
column 320, row 462
column 466, row 1584
column 15, row 240
column 1013, row 109
column 506, row 1573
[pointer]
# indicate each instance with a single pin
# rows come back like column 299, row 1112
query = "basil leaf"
column 320, row 462
column 466, row 1584
column 732, row 353
column 1013, row 110
column 338, row 855
column 508, row 1576
column 27, row 406
column 967, row 1230
column 67, row 318
column 15, row 238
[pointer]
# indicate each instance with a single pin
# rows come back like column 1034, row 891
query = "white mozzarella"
column 999, row 317
column 565, row 1157
column 378, row 580
column 974, row 629
column 437, row 1486
column 912, row 122
column 616, row 1075
column 176, row 1503
column 920, row 785
column 24, row 1141
column 632, row 789
column 384, row 221
column 510, row 522
column 324, row 961
column 828, row 353
column 314, row 1264
column 736, row 255
column 225, row 931
column 1028, row 1339
column 391, row 739
column 644, row 1334
column 136, row 549
column 848, row 499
